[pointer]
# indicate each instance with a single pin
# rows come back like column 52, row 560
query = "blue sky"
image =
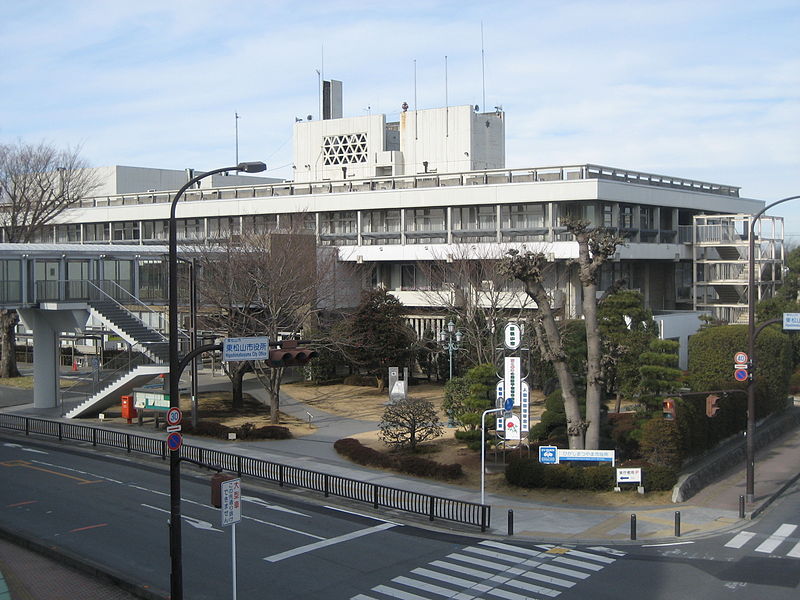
column 703, row 89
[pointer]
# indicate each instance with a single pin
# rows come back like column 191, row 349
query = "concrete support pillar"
column 47, row 326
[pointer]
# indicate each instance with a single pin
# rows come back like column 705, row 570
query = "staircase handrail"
column 136, row 301
column 111, row 378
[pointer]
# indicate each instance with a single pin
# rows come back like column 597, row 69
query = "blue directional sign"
column 548, row 455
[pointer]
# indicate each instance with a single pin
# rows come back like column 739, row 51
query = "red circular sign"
column 740, row 375
column 740, row 357
column 174, row 416
column 174, row 441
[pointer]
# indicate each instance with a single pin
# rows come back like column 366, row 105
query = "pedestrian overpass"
column 73, row 290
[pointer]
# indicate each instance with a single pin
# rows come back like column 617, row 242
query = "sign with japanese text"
column 247, row 348
column 231, row 492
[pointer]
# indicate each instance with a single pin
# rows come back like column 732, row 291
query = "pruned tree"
column 262, row 285
column 595, row 247
column 37, row 183
column 626, row 327
column 408, row 422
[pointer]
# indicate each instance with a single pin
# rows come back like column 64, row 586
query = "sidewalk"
column 714, row 509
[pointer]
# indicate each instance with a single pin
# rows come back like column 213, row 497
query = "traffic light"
column 289, row 355
column 712, row 408
column 668, row 408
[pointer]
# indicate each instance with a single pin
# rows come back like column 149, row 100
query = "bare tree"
column 408, row 422
column 473, row 289
column 37, row 183
column 263, row 284
column 595, row 246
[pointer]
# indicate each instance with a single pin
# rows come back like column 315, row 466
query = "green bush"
column 530, row 473
column 405, row 463
column 246, row 431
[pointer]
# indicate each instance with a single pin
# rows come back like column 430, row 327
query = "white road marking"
column 610, row 551
column 666, row 544
column 536, row 589
column 71, row 470
column 740, row 539
column 794, row 552
column 777, row 538
column 424, row 586
column 588, row 555
column 24, row 449
column 577, row 563
column 563, row 571
column 459, row 569
column 510, row 548
column 265, row 504
column 196, row 523
column 329, row 542
column 548, row 579
column 465, row 583
column 389, row 591
column 352, row 512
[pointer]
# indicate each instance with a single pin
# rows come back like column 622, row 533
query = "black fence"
column 379, row 496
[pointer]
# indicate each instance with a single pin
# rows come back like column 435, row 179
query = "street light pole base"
column 750, row 498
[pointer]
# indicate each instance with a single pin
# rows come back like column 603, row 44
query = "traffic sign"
column 740, row 358
column 548, row 455
column 231, row 491
column 247, row 348
column 174, row 416
column 174, row 441
column 508, row 404
column 173, row 428
column 791, row 321
column 740, row 375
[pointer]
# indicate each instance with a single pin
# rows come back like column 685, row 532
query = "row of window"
column 517, row 222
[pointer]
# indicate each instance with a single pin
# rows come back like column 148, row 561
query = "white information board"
column 231, row 501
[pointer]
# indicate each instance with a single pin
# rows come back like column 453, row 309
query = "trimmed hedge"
column 405, row 463
column 530, row 473
column 246, row 431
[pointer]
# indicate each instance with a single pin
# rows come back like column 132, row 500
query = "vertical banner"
column 512, row 378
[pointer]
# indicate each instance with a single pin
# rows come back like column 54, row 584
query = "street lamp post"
column 446, row 338
column 750, row 448
column 175, row 551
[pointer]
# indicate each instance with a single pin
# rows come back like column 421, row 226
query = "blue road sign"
column 174, row 441
column 740, row 375
column 508, row 404
column 548, row 455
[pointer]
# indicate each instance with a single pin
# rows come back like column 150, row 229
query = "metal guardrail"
column 379, row 496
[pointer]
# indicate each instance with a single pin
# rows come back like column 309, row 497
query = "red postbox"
column 128, row 411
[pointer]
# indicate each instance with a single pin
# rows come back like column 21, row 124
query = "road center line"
column 330, row 542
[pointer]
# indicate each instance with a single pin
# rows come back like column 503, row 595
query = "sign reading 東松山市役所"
column 587, row 455
column 247, row 348
column 791, row 321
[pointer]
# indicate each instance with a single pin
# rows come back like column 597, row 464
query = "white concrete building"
column 433, row 188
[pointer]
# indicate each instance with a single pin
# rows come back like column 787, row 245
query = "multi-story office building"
column 393, row 197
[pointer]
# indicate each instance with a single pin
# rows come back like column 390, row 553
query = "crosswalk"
column 492, row 569
column 780, row 538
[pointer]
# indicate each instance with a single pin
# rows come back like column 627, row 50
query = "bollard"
column 677, row 523
column 510, row 522
column 741, row 507
column 633, row 526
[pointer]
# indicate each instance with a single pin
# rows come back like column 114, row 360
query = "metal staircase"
column 109, row 311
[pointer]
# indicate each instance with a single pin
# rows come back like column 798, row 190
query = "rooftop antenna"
column 319, row 91
column 483, row 69
column 446, row 104
column 236, row 123
column 415, row 99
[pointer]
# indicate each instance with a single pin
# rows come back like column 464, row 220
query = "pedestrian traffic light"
column 289, row 355
column 712, row 408
column 668, row 407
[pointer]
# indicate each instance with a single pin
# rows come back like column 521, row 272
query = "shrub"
column 405, row 463
column 529, row 473
column 247, row 431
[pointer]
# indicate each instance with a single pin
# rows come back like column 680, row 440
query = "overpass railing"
column 379, row 496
